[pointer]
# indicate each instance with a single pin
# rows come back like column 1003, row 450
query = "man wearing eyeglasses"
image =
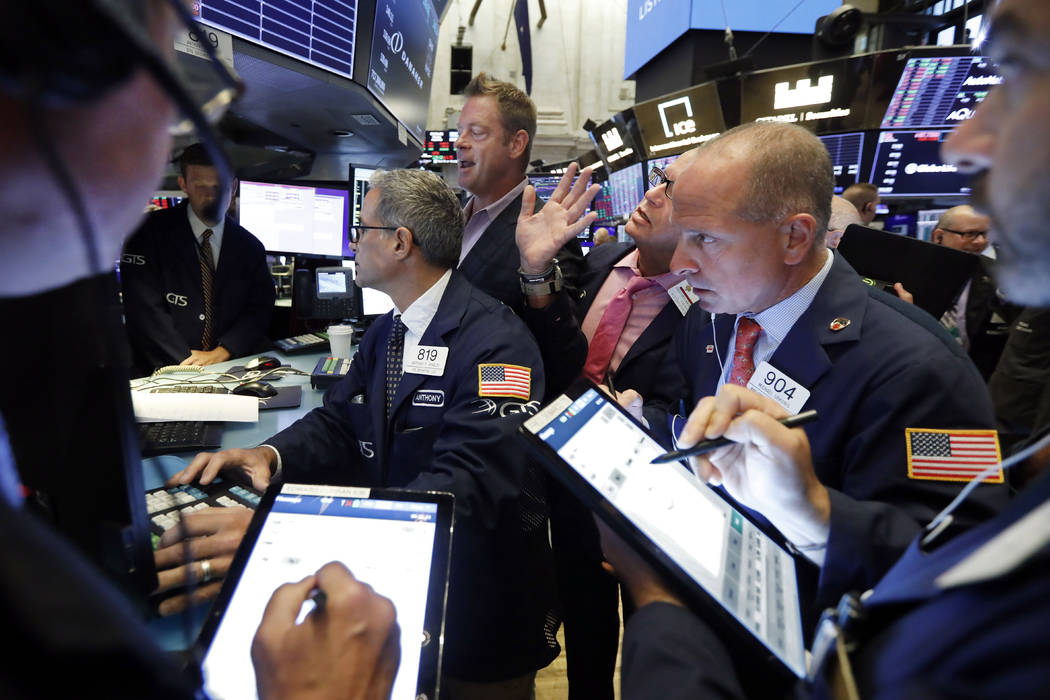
column 423, row 407
column 614, row 329
column 978, row 318
column 791, row 319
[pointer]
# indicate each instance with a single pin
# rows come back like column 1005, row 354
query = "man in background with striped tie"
column 196, row 286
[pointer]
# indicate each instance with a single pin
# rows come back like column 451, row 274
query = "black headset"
column 64, row 52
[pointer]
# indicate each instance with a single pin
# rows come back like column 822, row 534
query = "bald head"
column 962, row 228
column 865, row 197
column 843, row 214
column 789, row 172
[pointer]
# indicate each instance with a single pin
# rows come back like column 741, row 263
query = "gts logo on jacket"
column 176, row 299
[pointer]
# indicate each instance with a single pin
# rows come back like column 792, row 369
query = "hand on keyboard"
column 213, row 534
column 257, row 464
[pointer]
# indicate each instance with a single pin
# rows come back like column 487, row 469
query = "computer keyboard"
column 179, row 436
column 190, row 389
column 166, row 505
column 308, row 342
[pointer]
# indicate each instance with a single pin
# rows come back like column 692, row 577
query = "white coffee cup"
column 341, row 338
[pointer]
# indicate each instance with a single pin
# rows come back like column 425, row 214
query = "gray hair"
column 790, row 173
column 424, row 204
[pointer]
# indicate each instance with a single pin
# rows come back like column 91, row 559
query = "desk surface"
column 171, row 633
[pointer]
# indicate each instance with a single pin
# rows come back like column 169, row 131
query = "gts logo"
column 132, row 259
column 176, row 299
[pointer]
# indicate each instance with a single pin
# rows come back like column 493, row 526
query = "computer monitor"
column 926, row 221
column 627, row 187
column 940, row 91
column 846, row 151
column 297, row 219
column 359, row 177
column 602, row 205
column 440, row 147
column 371, row 303
column 908, row 164
column 661, row 163
column 166, row 199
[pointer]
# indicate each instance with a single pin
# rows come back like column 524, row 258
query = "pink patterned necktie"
column 747, row 332
column 607, row 334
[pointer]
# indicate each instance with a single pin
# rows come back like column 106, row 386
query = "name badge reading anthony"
column 770, row 381
column 425, row 359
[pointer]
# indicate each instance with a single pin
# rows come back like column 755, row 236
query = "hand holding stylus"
column 767, row 468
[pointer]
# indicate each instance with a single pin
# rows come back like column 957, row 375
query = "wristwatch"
column 543, row 284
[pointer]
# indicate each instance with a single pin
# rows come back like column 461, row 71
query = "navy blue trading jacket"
column 892, row 367
column 442, row 436
column 163, row 302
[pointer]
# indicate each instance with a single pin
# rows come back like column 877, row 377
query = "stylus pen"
column 706, row 446
column 319, row 597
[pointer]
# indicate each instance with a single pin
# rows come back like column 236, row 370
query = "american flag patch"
column 952, row 455
column 504, row 380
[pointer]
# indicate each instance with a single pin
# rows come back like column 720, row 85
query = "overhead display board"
column 615, row 143
column 940, row 91
column 440, row 147
column 320, row 32
column 908, row 164
column 653, row 25
column 824, row 96
column 400, row 70
column 675, row 123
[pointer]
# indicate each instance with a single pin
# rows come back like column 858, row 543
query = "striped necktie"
column 207, row 261
column 395, row 347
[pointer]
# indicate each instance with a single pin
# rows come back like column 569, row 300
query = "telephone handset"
column 327, row 293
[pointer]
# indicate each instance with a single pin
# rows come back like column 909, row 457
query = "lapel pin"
column 838, row 324
column 710, row 349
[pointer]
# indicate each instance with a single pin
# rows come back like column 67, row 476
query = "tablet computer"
column 397, row 541
column 734, row 574
column 934, row 274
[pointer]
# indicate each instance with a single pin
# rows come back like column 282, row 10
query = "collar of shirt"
column 199, row 227
column 665, row 280
column 478, row 221
column 778, row 320
column 420, row 313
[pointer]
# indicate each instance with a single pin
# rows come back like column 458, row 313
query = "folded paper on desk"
column 151, row 408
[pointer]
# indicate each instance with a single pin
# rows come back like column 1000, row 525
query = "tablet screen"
column 733, row 561
column 388, row 544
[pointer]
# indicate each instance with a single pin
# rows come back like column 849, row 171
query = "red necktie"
column 607, row 334
column 747, row 332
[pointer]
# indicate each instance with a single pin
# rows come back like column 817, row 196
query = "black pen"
column 711, row 445
column 319, row 597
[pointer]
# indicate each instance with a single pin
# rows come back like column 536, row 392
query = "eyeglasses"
column 658, row 177
column 356, row 231
column 968, row 235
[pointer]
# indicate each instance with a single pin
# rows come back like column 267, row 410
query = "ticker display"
column 320, row 32
column 940, row 91
column 626, row 189
column 908, row 164
column 440, row 147
column 404, row 42
column 846, row 151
